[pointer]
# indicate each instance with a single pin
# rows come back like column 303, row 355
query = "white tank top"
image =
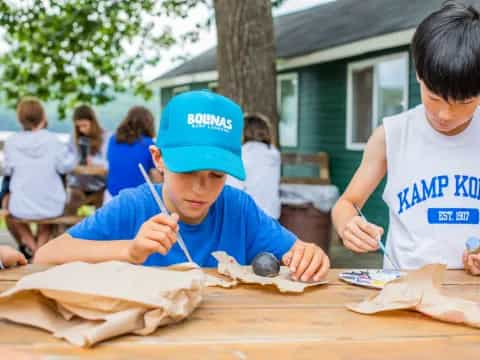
column 432, row 190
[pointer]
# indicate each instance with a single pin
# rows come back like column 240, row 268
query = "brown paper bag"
column 228, row 266
column 210, row 280
column 420, row 291
column 87, row 303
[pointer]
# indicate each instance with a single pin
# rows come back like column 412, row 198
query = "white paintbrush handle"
column 164, row 210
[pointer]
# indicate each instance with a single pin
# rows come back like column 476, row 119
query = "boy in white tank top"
column 430, row 153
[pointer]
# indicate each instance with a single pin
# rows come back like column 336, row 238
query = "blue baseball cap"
column 201, row 130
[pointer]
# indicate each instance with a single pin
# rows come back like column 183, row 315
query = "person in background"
column 89, row 146
column 262, row 163
column 127, row 148
column 34, row 160
column 429, row 155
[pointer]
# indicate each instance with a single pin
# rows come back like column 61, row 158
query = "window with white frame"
column 376, row 88
column 287, row 102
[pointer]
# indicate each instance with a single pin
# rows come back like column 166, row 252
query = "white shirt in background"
column 35, row 160
column 262, row 166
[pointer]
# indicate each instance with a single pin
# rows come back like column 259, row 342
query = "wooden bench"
column 61, row 223
column 67, row 220
column 319, row 160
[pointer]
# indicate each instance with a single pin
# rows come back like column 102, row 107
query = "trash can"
column 306, row 211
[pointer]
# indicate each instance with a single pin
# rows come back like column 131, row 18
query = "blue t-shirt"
column 123, row 160
column 234, row 224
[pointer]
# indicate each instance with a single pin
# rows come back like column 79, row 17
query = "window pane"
column 391, row 85
column 288, row 122
column 362, row 104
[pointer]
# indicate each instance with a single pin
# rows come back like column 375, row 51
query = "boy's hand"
column 471, row 262
column 11, row 257
column 307, row 262
column 361, row 236
column 157, row 234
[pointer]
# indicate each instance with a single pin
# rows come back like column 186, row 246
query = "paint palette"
column 371, row 278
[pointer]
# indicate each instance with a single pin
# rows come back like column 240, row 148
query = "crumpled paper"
column 228, row 266
column 420, row 291
column 88, row 303
column 210, row 280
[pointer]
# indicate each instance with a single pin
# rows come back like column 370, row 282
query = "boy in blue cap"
column 198, row 143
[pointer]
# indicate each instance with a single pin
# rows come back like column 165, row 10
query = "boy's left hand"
column 307, row 262
column 471, row 262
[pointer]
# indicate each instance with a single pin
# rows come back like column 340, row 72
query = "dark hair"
column 257, row 128
column 30, row 113
column 85, row 112
column 139, row 121
column 446, row 51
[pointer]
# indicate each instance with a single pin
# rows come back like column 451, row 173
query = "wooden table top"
column 250, row 322
column 90, row 170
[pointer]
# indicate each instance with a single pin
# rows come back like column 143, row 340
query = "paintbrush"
column 164, row 210
column 382, row 247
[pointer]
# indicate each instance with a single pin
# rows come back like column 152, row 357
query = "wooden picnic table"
column 250, row 322
column 96, row 170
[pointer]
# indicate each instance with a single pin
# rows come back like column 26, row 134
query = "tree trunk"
column 246, row 55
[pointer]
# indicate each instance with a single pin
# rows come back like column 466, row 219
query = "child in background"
column 35, row 159
column 198, row 143
column 262, row 163
column 86, row 188
column 430, row 154
column 128, row 147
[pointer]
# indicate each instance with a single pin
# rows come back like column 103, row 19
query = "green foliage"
column 73, row 51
